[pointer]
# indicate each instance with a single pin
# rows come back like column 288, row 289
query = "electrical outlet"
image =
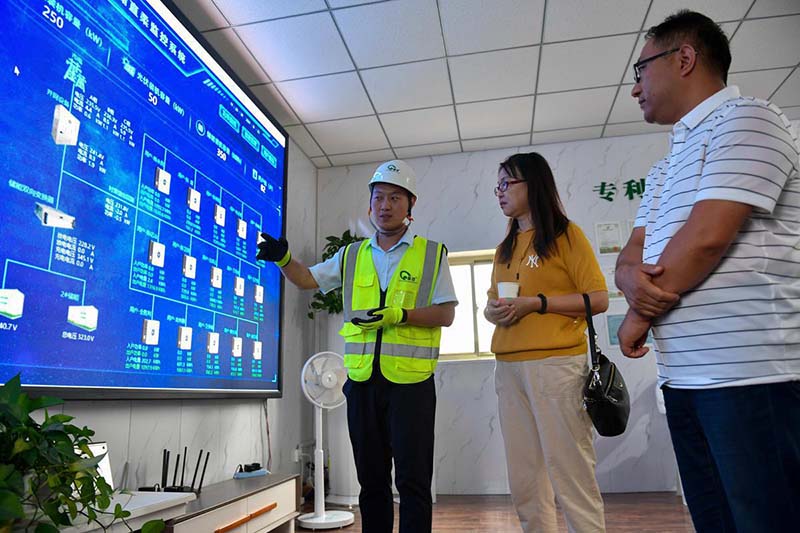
column 296, row 454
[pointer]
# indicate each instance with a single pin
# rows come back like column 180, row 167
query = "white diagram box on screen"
column 83, row 316
column 193, row 200
column 12, row 302
column 163, row 179
column 189, row 266
column 236, row 347
column 216, row 277
column 150, row 331
column 54, row 218
column 257, row 350
column 241, row 229
column 156, row 254
column 259, row 296
column 184, row 338
column 212, row 342
column 65, row 126
column 238, row 286
column 219, row 215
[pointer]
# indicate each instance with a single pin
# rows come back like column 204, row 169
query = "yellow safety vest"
column 408, row 354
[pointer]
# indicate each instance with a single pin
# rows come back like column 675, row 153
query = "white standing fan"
column 322, row 379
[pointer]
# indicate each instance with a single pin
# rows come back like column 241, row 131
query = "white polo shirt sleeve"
column 328, row 274
column 647, row 197
column 444, row 291
column 749, row 158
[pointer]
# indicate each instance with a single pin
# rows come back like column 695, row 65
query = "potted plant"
column 332, row 301
column 48, row 476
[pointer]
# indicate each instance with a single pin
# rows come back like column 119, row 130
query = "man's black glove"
column 274, row 250
column 381, row 317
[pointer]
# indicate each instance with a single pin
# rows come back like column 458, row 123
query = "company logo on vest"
column 405, row 275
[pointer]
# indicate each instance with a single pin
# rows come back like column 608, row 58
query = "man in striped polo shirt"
column 713, row 267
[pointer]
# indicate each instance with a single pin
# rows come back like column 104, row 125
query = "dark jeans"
column 738, row 451
column 388, row 420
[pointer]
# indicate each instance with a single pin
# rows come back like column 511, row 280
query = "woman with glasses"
column 540, row 347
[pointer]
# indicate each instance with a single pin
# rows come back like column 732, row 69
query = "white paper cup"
column 507, row 289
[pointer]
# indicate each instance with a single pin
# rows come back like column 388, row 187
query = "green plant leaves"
column 153, row 526
column 44, row 482
column 10, row 506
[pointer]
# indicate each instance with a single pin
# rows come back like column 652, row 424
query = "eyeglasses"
column 503, row 185
column 637, row 67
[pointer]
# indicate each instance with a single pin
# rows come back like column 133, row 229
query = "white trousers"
column 548, row 441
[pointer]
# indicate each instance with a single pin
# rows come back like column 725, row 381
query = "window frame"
column 471, row 258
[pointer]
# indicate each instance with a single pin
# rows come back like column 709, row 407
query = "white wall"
column 457, row 206
column 234, row 431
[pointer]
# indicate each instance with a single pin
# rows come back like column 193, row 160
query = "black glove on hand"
column 381, row 317
column 275, row 250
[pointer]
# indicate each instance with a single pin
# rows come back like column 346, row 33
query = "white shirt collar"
column 407, row 238
column 701, row 111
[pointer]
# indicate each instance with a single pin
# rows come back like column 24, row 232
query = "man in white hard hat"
column 397, row 295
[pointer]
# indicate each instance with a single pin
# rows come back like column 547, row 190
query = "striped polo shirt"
column 741, row 325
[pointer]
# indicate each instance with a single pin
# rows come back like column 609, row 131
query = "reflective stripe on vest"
column 408, row 353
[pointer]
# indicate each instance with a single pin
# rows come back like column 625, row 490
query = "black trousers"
column 388, row 420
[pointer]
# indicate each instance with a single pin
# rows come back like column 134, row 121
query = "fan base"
column 329, row 520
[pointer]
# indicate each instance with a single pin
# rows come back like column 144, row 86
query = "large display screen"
column 136, row 176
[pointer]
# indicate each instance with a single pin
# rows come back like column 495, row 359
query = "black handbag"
column 605, row 396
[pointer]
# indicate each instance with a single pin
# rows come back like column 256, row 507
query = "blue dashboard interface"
column 135, row 179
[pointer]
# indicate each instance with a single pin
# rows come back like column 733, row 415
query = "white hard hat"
column 398, row 173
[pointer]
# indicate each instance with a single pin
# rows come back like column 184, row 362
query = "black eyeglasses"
column 503, row 185
column 637, row 67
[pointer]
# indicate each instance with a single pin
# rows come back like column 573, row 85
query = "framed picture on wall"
column 608, row 237
column 608, row 274
column 613, row 322
column 627, row 229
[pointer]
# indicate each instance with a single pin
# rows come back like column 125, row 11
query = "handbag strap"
column 592, row 335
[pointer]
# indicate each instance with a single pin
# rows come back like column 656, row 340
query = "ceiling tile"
column 203, row 14
column 588, row 63
column 626, row 107
column 579, row 19
column 789, row 93
column 300, row 135
column 423, row 126
column 321, row 162
column 634, row 128
column 766, row 43
column 508, row 141
column 409, row 86
column 492, row 75
column 497, row 117
column 391, row 32
column 275, row 104
column 771, row 8
column 349, row 135
column 717, row 10
column 793, row 113
column 480, row 25
column 297, row 47
column 572, row 109
column 428, row 149
column 234, row 52
column 374, row 156
column 572, row 134
column 247, row 11
column 347, row 3
column 327, row 97
column 761, row 83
